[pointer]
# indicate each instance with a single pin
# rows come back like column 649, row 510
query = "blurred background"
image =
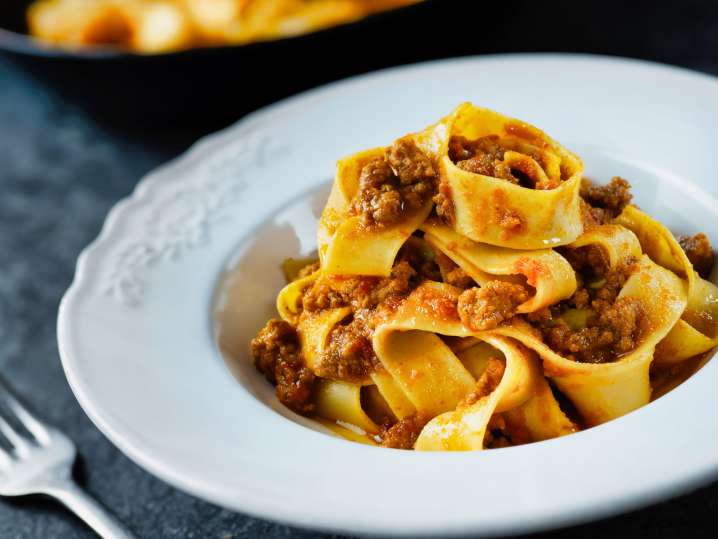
column 112, row 92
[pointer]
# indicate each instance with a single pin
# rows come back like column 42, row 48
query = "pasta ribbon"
column 498, row 212
column 697, row 331
column 465, row 427
column 314, row 330
column 289, row 299
column 341, row 401
column 539, row 328
column 600, row 392
column 430, row 310
column 545, row 270
column 346, row 245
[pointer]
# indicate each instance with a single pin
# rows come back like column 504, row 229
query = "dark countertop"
column 60, row 172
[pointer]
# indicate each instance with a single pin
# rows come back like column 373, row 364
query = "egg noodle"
column 473, row 291
column 156, row 26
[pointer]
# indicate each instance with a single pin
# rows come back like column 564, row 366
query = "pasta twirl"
column 473, row 291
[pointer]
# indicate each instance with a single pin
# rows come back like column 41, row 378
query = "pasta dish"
column 474, row 291
column 154, row 26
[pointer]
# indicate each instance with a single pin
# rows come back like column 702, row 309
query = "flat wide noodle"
column 314, row 330
column 346, row 245
column 428, row 372
column 464, row 428
column 485, row 207
column 430, row 310
column 604, row 391
column 697, row 331
column 545, row 270
column 470, row 388
column 289, row 299
column 341, row 401
column 600, row 392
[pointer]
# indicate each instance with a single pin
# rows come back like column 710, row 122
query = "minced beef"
column 277, row 355
column 485, row 156
column 397, row 183
column 593, row 325
column 604, row 202
column 404, row 433
column 452, row 273
column 489, row 306
column 360, row 292
column 349, row 354
column 590, row 258
column 487, row 382
column 608, row 334
column 422, row 258
column 699, row 252
column 445, row 204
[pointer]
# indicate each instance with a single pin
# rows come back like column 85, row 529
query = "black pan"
column 214, row 86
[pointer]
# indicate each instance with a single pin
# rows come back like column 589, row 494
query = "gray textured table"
column 59, row 174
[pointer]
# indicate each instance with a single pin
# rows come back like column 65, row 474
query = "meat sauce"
column 486, row 155
column 603, row 203
column 399, row 182
column 489, row 306
column 593, row 325
column 277, row 355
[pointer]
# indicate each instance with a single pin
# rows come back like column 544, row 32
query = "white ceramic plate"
column 137, row 328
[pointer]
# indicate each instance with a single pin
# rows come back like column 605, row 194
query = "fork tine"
column 29, row 421
column 20, row 444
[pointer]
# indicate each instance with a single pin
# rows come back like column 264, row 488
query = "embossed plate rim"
column 267, row 491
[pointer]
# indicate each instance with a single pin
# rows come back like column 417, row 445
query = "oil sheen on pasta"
column 473, row 290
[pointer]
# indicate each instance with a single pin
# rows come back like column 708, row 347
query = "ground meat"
column 322, row 295
column 483, row 156
column 487, row 382
column 349, row 354
column 277, row 355
column 445, row 204
column 398, row 183
column 404, row 433
column 360, row 292
column 593, row 325
column 487, row 307
column 422, row 258
column 588, row 259
column 409, row 162
column 604, row 202
column 610, row 333
column 452, row 274
column 699, row 252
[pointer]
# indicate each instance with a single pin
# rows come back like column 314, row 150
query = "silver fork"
column 42, row 464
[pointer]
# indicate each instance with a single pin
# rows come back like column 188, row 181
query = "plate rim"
column 154, row 178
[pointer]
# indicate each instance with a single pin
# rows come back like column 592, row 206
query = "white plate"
column 137, row 334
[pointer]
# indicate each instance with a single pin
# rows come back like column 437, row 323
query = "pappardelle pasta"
column 156, row 26
column 474, row 291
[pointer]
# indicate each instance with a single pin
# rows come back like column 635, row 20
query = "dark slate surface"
column 59, row 174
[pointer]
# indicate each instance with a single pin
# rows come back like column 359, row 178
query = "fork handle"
column 88, row 509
